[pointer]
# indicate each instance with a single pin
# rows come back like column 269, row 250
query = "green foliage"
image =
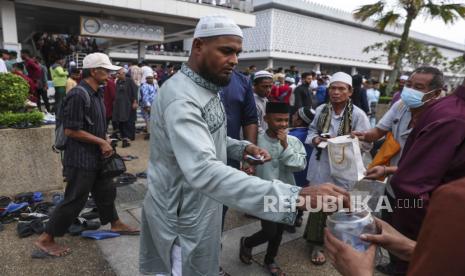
column 10, row 119
column 417, row 54
column 385, row 14
column 13, row 92
column 457, row 64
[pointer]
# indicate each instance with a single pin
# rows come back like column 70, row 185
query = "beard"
column 206, row 73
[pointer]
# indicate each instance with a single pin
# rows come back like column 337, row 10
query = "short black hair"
column 438, row 77
column 313, row 74
column 74, row 70
column 26, row 51
column 85, row 73
column 19, row 65
column 305, row 75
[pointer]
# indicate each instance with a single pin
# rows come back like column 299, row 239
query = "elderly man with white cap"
column 83, row 119
column 188, row 179
column 336, row 118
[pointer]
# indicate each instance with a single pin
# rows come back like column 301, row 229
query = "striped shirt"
column 79, row 154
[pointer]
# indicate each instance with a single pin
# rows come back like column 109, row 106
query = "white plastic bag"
column 345, row 158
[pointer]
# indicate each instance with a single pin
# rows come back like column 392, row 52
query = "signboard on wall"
column 93, row 26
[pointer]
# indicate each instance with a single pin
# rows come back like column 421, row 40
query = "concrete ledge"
column 27, row 162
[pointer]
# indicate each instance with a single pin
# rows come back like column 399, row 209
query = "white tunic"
column 188, row 179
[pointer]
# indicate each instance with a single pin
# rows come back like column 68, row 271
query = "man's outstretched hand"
column 328, row 193
column 260, row 154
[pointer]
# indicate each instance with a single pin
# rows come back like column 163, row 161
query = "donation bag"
column 345, row 158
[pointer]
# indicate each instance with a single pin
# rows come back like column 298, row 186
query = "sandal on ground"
column 245, row 253
column 38, row 253
column 81, row 225
column 274, row 269
column 316, row 255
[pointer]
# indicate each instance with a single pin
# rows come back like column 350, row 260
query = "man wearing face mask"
column 434, row 154
column 400, row 120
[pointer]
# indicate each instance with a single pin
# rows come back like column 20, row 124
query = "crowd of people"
column 220, row 138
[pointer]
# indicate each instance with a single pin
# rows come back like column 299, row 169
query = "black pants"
column 80, row 183
column 272, row 233
column 125, row 129
column 42, row 93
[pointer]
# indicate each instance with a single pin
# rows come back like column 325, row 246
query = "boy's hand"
column 282, row 137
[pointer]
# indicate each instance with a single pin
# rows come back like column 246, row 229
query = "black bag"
column 113, row 166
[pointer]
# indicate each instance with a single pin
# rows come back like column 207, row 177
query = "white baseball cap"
column 404, row 77
column 97, row 60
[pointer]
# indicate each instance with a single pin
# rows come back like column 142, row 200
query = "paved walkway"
column 119, row 256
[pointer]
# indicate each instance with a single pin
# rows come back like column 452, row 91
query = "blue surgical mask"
column 414, row 98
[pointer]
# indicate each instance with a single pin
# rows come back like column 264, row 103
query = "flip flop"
column 81, row 225
column 4, row 201
column 57, row 198
column 38, row 197
column 15, row 207
column 277, row 270
column 128, row 233
column 141, row 175
column 99, row 234
column 25, row 197
column 44, row 207
column 42, row 254
column 32, row 216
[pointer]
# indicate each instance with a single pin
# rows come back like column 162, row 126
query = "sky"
column 455, row 32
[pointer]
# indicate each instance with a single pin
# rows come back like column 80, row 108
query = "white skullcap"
column 72, row 63
column 289, row 79
column 318, row 72
column 262, row 74
column 341, row 77
column 216, row 25
column 404, row 77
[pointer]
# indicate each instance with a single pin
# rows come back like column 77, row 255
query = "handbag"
column 113, row 166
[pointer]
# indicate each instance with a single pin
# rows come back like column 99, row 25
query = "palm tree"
column 417, row 54
column 406, row 10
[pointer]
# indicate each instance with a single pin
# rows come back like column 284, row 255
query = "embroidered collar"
column 186, row 70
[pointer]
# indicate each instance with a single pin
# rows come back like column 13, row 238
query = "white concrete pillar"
column 381, row 76
column 270, row 63
column 9, row 28
column 317, row 67
column 353, row 71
